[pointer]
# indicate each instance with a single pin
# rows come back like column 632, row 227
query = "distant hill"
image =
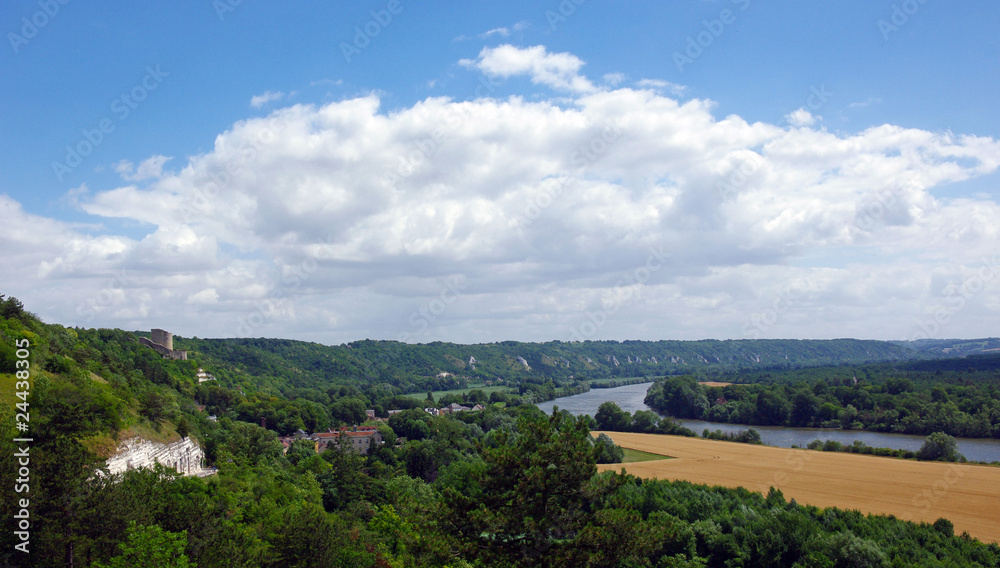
column 283, row 363
column 953, row 347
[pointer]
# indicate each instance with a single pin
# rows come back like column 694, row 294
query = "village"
column 362, row 439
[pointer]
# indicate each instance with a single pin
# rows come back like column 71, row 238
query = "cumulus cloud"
column 258, row 101
column 151, row 167
column 672, row 88
column 801, row 117
column 614, row 79
column 488, row 219
column 556, row 70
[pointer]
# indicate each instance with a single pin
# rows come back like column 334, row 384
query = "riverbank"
column 630, row 399
column 917, row 491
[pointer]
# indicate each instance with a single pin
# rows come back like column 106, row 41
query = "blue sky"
column 867, row 133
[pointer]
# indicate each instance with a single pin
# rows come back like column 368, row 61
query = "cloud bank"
column 617, row 213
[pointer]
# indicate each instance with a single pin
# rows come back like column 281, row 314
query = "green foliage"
column 882, row 398
column 11, row 308
column 611, row 417
column 501, row 487
column 150, row 547
column 748, row 436
column 247, row 444
column 939, row 447
column 681, row 397
column 606, row 451
column 533, row 490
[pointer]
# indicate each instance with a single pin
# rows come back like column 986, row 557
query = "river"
column 630, row 398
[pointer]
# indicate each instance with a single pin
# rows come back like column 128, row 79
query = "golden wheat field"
column 967, row 495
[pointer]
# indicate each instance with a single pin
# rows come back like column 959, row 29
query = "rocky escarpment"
column 185, row 456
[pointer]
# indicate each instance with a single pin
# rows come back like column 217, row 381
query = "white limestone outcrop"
column 184, row 456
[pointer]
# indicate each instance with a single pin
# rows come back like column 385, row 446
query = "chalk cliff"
column 184, row 456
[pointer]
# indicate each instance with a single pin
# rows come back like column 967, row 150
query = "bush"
column 940, row 447
column 606, row 451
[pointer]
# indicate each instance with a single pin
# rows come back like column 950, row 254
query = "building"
column 202, row 376
column 359, row 438
column 163, row 343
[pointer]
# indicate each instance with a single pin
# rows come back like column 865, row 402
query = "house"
column 286, row 441
column 454, row 407
column 359, row 438
column 202, row 376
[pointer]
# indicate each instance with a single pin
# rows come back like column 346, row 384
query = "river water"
column 630, row 398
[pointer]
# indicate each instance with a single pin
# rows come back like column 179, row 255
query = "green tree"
column 183, row 428
column 606, row 451
column 805, row 407
column 941, row 447
column 150, row 547
column 644, row 421
column 249, row 444
column 349, row 410
column 611, row 417
column 300, row 449
column 413, row 424
column 772, row 408
column 533, row 490
column 681, row 397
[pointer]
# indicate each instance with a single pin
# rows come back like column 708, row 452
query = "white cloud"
column 556, row 70
column 495, row 31
column 502, row 31
column 666, row 86
column 862, row 104
column 345, row 221
column 258, row 101
column 801, row 117
column 151, row 167
column 614, row 79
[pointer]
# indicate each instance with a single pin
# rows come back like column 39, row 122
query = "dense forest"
column 507, row 486
column 958, row 396
column 274, row 365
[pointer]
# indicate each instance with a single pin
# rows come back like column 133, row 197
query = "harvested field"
column 967, row 495
column 714, row 384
